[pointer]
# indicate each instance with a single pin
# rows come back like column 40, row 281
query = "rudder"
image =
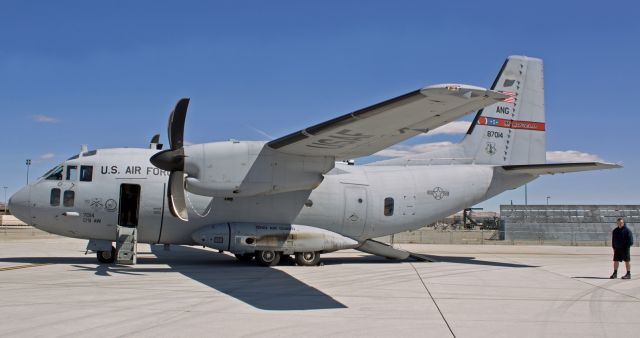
column 511, row 131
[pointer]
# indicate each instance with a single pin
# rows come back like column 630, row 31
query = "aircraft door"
column 152, row 213
column 355, row 210
column 129, row 205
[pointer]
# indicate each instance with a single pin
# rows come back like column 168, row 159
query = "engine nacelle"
column 288, row 238
column 234, row 168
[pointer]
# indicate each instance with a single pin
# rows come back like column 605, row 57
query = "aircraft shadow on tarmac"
column 435, row 259
column 262, row 288
column 474, row 261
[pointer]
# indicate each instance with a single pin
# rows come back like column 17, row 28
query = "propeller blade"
column 172, row 160
column 169, row 160
column 175, row 194
column 176, row 124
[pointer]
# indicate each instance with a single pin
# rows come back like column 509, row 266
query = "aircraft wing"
column 557, row 168
column 369, row 130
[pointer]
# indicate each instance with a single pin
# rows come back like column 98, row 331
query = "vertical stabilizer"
column 511, row 131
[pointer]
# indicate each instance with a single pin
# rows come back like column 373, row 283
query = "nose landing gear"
column 107, row 257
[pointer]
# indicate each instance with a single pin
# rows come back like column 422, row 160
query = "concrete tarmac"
column 48, row 287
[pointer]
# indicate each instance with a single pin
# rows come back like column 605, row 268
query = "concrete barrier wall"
column 573, row 223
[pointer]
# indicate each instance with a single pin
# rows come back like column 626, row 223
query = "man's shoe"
column 627, row 276
column 614, row 275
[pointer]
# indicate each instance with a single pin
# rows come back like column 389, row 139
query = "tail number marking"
column 511, row 124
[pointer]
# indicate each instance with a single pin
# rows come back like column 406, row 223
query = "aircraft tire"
column 245, row 257
column 105, row 257
column 311, row 258
column 267, row 258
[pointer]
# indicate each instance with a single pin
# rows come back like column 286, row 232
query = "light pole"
column 28, row 165
column 5, row 199
column 548, row 197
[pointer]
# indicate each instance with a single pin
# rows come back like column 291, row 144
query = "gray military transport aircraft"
column 300, row 194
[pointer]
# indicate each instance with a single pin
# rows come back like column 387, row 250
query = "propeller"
column 172, row 160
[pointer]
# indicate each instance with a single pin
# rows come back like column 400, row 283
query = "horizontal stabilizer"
column 557, row 168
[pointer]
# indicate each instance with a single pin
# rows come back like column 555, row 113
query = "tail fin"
column 513, row 131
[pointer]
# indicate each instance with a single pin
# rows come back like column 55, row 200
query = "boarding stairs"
column 126, row 244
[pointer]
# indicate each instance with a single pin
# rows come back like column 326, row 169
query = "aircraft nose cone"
column 19, row 205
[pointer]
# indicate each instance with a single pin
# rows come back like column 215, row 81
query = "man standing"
column 621, row 241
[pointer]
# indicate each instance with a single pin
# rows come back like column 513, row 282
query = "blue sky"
column 107, row 74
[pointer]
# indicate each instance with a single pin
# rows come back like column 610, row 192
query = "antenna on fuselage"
column 83, row 149
column 155, row 142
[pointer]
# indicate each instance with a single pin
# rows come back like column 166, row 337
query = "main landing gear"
column 107, row 257
column 268, row 257
column 245, row 257
column 307, row 258
column 272, row 258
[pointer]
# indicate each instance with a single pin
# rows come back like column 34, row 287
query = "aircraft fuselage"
column 359, row 202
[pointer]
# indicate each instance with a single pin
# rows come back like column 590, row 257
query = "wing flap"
column 558, row 168
column 377, row 127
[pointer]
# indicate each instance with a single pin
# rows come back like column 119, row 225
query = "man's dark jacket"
column 622, row 238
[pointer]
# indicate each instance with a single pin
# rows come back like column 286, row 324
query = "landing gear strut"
column 267, row 258
column 107, row 257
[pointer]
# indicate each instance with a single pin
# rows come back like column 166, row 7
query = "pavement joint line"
column 461, row 273
column 594, row 285
column 433, row 300
column 506, row 286
column 535, row 299
column 582, row 281
column 464, row 253
column 16, row 267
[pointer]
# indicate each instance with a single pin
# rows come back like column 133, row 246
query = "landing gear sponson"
column 269, row 242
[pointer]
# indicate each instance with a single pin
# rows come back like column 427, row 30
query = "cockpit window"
column 72, row 173
column 54, row 174
column 55, row 197
column 85, row 154
column 68, row 198
column 86, row 173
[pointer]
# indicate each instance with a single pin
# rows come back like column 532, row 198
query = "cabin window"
column 388, row 206
column 69, row 197
column 86, row 173
column 54, row 174
column 55, row 197
column 72, row 173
